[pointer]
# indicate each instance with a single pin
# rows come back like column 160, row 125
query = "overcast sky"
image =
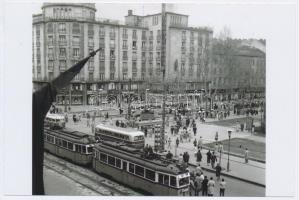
column 244, row 21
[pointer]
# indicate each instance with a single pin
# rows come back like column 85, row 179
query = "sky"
column 244, row 20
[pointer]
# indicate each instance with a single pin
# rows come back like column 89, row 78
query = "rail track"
column 87, row 177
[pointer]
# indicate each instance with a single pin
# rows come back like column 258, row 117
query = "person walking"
column 194, row 129
column 218, row 171
column 198, row 184
column 204, row 186
column 88, row 119
column 222, row 186
column 199, row 143
column 195, row 142
column 192, row 187
column 198, row 156
column 198, row 169
column 246, row 155
column 211, row 186
column 213, row 159
column 177, row 142
column 209, row 155
column 169, row 143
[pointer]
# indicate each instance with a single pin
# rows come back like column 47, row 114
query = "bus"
column 54, row 121
column 128, row 136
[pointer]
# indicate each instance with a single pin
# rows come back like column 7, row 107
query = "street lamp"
column 146, row 98
column 229, row 135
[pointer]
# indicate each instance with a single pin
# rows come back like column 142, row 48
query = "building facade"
column 130, row 55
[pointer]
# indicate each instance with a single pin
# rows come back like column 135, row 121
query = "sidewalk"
column 253, row 172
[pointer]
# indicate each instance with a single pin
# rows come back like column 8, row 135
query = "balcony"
column 143, row 37
column 158, row 47
column 183, row 49
column 134, row 57
column 102, row 57
column 50, row 43
column 90, row 44
column 112, row 35
column 38, row 44
column 90, row 32
column 125, row 36
column 125, row 58
column 143, row 48
column 125, row 47
column 102, row 34
column 150, row 59
column 91, row 68
column 62, row 55
column 134, row 47
column 51, row 56
column 159, row 37
column 183, row 38
column 150, row 48
column 158, row 58
column 75, row 43
column 62, row 43
column 151, row 37
column 134, row 37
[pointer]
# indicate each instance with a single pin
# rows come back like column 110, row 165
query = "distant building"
column 130, row 58
column 240, row 74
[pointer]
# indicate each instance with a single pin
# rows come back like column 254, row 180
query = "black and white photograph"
column 151, row 99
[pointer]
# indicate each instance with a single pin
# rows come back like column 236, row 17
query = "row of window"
column 68, row 145
column 112, row 134
column 140, row 171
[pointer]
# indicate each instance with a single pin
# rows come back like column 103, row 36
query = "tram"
column 127, row 165
column 128, row 136
column 54, row 121
column 71, row 145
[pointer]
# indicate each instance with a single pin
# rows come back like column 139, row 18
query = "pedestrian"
column 200, row 143
column 88, row 119
column 198, row 169
column 211, row 186
column 74, row 118
column 204, row 186
column 246, row 155
column 177, row 142
column 218, row 171
column 213, row 159
column 187, row 157
column 198, row 156
column 107, row 115
column 195, row 142
column 169, row 155
column 169, row 143
column 145, row 132
column 222, row 186
column 171, row 130
column 66, row 118
column 192, row 187
column 209, row 155
column 197, row 184
column 194, row 130
column 117, row 123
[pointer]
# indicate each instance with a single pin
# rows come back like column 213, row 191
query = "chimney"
column 130, row 12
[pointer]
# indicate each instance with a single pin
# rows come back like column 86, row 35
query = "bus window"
column 184, row 181
column 83, row 149
column 131, row 167
column 125, row 165
column 78, row 148
column 173, row 181
column 137, row 138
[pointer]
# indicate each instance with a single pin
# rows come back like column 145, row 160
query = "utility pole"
column 163, row 67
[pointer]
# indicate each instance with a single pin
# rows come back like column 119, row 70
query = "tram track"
column 87, row 178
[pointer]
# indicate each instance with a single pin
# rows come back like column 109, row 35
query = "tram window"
column 103, row 157
column 139, row 170
column 111, row 160
column 64, row 143
column 118, row 163
column 184, row 181
column 166, row 180
column 83, row 149
column 173, row 181
column 70, row 145
column 149, row 174
column 59, row 142
column 131, row 167
column 125, row 165
column 89, row 149
column 160, row 180
column 78, row 148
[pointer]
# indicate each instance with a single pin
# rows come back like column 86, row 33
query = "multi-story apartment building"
column 130, row 55
column 242, row 73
